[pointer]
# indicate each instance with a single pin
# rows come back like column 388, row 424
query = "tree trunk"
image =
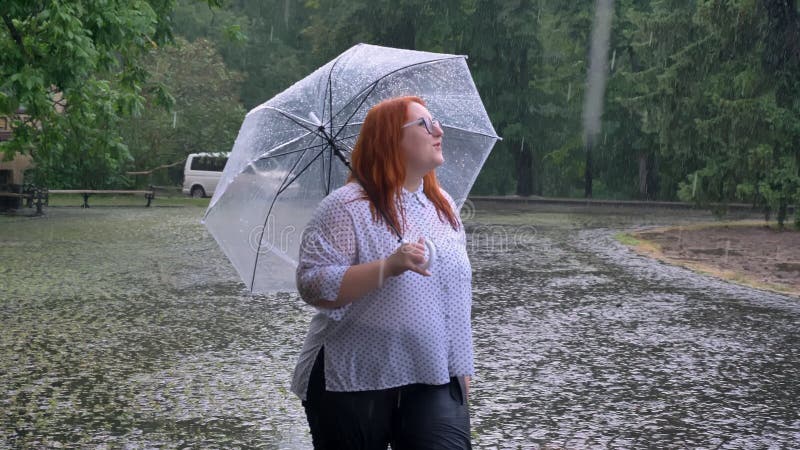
column 643, row 172
column 538, row 176
column 648, row 176
column 587, row 187
column 652, row 177
column 797, row 199
column 524, row 172
column 781, row 213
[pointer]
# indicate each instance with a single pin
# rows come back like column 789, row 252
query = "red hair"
column 377, row 162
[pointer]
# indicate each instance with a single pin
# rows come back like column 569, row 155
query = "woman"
column 388, row 356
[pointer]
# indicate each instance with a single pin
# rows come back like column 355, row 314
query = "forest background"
column 702, row 102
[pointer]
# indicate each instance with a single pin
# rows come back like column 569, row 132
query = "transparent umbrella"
column 292, row 151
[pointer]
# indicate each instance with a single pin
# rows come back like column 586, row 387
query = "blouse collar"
column 417, row 194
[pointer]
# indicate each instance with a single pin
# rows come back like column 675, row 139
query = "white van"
column 202, row 172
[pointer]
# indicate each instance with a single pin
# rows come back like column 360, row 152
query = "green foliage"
column 702, row 102
column 204, row 112
column 494, row 178
column 71, row 67
column 706, row 97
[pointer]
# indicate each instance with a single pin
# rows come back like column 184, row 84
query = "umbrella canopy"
column 289, row 151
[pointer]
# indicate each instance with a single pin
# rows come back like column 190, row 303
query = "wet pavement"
column 126, row 327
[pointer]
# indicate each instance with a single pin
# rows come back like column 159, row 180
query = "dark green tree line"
column 702, row 102
column 72, row 68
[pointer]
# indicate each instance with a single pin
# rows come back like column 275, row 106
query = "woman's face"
column 423, row 150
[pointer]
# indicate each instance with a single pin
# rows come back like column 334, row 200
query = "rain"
column 627, row 174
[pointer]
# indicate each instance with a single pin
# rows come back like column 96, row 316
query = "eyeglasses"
column 428, row 123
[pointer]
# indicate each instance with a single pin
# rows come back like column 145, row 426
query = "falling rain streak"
column 585, row 345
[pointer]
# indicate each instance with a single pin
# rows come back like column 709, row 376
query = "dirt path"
column 749, row 252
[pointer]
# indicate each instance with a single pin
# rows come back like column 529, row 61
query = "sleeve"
column 327, row 250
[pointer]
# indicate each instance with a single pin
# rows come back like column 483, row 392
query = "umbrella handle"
column 431, row 254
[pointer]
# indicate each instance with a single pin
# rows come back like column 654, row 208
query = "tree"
column 629, row 161
column 73, row 67
column 717, row 95
column 558, row 84
column 205, row 115
column 503, row 46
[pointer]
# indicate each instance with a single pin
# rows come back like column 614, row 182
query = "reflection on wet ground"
column 582, row 344
column 128, row 328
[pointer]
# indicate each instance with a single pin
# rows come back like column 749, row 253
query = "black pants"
column 415, row 416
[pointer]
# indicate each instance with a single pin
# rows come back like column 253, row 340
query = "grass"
column 126, row 200
column 642, row 246
column 788, row 226
column 627, row 239
column 652, row 249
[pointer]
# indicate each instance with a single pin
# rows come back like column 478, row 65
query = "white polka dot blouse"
column 413, row 329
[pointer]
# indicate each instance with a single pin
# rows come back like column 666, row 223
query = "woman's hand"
column 407, row 257
column 361, row 279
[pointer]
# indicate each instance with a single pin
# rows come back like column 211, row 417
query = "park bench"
column 30, row 193
column 148, row 194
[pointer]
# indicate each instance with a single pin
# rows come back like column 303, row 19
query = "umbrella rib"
column 352, row 124
column 323, row 163
column 330, row 169
column 329, row 89
column 291, row 152
column 285, row 185
column 330, row 95
column 269, row 211
column 339, row 139
column 375, row 83
column 348, row 137
column 300, row 121
column 265, row 154
column 472, row 132
column 296, row 119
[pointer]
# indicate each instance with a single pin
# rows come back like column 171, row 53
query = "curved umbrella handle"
column 431, row 254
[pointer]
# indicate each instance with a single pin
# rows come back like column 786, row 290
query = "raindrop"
column 597, row 75
column 727, row 249
column 539, row 13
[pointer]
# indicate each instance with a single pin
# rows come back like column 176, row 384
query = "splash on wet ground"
column 128, row 328
column 582, row 344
